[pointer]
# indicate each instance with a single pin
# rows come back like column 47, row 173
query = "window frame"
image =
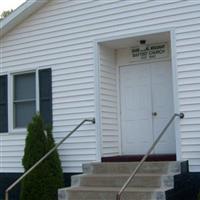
column 11, row 116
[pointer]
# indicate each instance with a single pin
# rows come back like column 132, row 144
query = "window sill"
column 21, row 131
column 18, row 131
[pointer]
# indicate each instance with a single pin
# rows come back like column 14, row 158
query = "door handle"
column 154, row 113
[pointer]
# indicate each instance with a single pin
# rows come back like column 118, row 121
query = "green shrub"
column 42, row 183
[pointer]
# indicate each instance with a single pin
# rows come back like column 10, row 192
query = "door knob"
column 154, row 113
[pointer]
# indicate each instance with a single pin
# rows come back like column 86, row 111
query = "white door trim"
column 96, row 44
column 175, row 93
column 98, row 126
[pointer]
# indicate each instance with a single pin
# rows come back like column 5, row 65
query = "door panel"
column 136, row 109
column 162, row 103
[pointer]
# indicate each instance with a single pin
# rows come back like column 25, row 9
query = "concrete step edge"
column 114, row 189
column 127, row 175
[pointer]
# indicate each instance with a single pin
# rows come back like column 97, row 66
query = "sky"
column 9, row 4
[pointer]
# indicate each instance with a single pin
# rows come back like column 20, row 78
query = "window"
column 24, row 101
column 23, row 94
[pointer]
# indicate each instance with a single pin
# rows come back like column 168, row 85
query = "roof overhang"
column 20, row 14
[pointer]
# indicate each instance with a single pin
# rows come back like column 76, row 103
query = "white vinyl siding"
column 109, row 102
column 61, row 36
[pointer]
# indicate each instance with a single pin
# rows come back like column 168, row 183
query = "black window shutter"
column 45, row 84
column 3, row 104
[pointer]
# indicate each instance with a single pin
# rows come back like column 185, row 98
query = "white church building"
column 131, row 64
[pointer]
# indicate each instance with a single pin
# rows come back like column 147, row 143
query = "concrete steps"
column 102, row 181
column 117, row 180
column 128, row 167
column 109, row 193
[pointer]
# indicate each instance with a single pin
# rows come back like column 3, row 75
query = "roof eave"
column 20, row 14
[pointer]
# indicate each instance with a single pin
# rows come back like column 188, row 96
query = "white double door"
column 146, row 106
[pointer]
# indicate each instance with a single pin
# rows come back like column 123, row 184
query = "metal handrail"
column 45, row 156
column 118, row 197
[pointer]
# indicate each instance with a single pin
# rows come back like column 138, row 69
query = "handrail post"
column 92, row 120
column 6, row 195
column 181, row 115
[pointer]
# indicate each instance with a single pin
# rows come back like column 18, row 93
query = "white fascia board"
column 20, row 14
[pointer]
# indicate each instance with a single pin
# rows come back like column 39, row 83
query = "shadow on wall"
column 6, row 180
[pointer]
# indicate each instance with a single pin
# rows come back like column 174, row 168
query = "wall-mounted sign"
column 151, row 51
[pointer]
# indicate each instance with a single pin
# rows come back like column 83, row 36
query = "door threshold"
column 132, row 158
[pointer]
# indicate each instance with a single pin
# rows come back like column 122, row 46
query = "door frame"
column 119, row 92
column 96, row 47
